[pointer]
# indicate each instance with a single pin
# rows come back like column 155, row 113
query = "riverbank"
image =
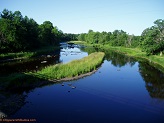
column 23, row 55
column 156, row 60
column 60, row 72
column 73, row 68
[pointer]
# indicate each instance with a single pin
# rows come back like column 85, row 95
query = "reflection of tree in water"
column 31, row 64
column 118, row 59
column 90, row 50
column 11, row 103
column 154, row 80
column 12, row 96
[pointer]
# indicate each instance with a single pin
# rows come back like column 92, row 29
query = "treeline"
column 151, row 40
column 116, row 38
column 18, row 33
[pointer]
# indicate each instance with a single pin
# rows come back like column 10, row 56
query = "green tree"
column 70, row 37
column 8, row 31
column 46, row 33
column 153, row 38
column 17, row 33
column 57, row 35
column 92, row 37
column 31, row 33
column 82, row 37
column 103, row 37
column 119, row 38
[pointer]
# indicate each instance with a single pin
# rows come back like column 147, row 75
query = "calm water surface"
column 122, row 90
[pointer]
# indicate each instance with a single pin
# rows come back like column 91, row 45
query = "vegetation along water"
column 31, row 56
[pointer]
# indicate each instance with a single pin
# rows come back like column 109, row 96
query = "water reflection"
column 12, row 100
column 85, row 97
column 71, row 52
column 32, row 64
column 90, row 49
column 154, row 80
column 119, row 60
column 10, row 103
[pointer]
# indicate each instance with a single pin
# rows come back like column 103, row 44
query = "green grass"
column 73, row 68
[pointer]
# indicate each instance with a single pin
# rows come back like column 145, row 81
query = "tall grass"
column 73, row 68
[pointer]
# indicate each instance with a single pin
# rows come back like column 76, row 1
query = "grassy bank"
column 137, row 53
column 22, row 55
column 134, row 52
column 52, row 73
column 73, row 68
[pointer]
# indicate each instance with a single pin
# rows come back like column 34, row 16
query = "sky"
column 79, row 16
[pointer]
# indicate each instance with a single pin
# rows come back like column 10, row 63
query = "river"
column 123, row 89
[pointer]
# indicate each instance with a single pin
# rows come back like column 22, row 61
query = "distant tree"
column 92, row 37
column 82, row 37
column 119, row 38
column 103, row 37
column 132, row 41
column 136, row 40
column 70, row 37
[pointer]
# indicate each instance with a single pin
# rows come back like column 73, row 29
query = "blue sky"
column 78, row 16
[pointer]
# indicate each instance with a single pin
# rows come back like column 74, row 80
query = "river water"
column 122, row 90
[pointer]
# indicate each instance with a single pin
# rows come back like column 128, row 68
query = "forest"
column 18, row 33
column 151, row 40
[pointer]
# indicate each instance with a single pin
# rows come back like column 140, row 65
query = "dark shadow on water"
column 154, row 80
column 13, row 94
column 151, row 73
column 153, row 77
column 27, row 65
column 118, row 59
column 15, row 84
